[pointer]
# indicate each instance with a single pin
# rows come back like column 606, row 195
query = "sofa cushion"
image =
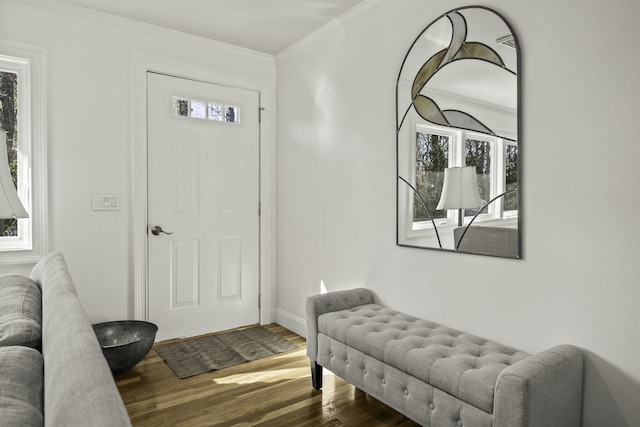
column 21, row 386
column 20, row 311
column 458, row 363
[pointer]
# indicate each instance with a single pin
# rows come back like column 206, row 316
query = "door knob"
column 156, row 230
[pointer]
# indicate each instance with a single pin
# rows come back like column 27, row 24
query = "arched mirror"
column 458, row 137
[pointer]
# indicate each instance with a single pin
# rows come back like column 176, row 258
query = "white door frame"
column 138, row 241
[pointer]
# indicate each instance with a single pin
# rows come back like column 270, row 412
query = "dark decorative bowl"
column 125, row 343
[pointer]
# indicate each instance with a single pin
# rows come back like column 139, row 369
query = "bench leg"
column 316, row 375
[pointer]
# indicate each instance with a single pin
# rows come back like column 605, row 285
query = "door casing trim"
column 138, row 271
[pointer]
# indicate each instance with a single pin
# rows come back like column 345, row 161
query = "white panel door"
column 203, row 192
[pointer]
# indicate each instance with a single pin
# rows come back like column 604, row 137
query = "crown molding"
column 336, row 25
column 475, row 102
column 61, row 7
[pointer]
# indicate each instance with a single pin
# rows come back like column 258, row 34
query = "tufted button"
column 459, row 423
column 364, row 371
column 431, row 406
column 384, row 381
column 326, row 307
column 347, row 362
column 406, row 392
column 361, row 300
column 344, row 301
column 330, row 354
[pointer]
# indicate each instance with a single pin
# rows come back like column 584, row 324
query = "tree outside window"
column 9, row 122
column 511, row 177
column 494, row 159
column 22, row 104
column 432, row 158
column 478, row 154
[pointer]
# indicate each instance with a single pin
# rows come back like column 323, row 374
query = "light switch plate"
column 105, row 202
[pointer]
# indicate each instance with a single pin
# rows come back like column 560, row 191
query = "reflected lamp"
column 460, row 190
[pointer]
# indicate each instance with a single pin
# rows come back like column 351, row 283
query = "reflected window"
column 495, row 161
column 432, row 158
column 511, row 178
column 478, row 154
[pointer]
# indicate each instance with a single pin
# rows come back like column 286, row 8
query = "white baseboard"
column 291, row 322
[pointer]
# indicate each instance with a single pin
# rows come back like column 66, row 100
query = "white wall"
column 579, row 282
column 89, row 68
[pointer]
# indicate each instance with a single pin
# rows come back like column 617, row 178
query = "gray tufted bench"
column 436, row 375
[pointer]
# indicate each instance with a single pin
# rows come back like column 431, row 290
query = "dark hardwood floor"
column 275, row 391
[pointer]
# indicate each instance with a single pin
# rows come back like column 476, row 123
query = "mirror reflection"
column 457, row 127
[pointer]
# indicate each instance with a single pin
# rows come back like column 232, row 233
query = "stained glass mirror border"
column 460, row 78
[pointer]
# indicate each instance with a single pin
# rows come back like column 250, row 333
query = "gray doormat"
column 195, row 357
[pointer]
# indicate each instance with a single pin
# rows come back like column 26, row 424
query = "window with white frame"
column 432, row 157
column 510, row 202
column 209, row 110
column 9, row 123
column 496, row 163
column 22, row 117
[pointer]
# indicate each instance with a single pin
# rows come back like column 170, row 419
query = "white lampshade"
column 10, row 204
column 460, row 189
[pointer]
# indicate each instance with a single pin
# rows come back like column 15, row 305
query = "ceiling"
column 267, row 26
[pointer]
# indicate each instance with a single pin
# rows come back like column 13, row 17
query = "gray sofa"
column 52, row 370
column 436, row 375
column 486, row 240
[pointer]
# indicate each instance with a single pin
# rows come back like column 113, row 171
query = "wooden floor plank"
column 275, row 391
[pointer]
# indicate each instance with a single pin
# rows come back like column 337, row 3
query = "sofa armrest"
column 318, row 305
column 544, row 389
column 79, row 389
